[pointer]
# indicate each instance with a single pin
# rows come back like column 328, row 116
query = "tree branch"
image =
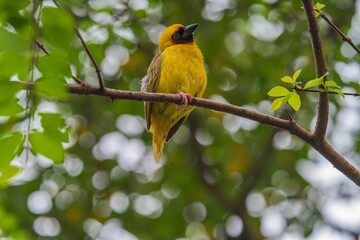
column 291, row 126
column 97, row 69
column 338, row 31
column 87, row 50
column 87, row 89
column 323, row 106
column 42, row 47
column 338, row 161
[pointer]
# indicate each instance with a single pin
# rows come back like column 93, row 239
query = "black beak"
column 188, row 31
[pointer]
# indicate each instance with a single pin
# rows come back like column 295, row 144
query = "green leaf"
column 331, row 84
column 48, row 142
column 14, row 6
column 6, row 173
column 9, row 89
column 10, row 108
column 10, row 146
column 15, row 55
column 53, row 88
column 313, row 83
column 55, row 65
column 298, row 86
column 57, row 27
column 287, row 79
column 52, row 124
column 287, row 97
column 54, row 69
column 278, row 91
column 12, row 43
column 319, row 6
column 338, row 91
column 276, row 104
column 14, row 14
column 52, row 121
column 44, row 145
column 322, row 77
column 296, row 75
column 295, row 101
column 14, row 63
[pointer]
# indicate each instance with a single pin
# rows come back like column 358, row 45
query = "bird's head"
column 177, row 34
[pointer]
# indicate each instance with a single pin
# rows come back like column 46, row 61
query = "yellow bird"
column 177, row 68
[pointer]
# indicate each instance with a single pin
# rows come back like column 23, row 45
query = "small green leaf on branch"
column 278, row 91
column 331, row 84
column 277, row 103
column 318, row 6
column 338, row 91
column 287, row 79
column 296, row 75
column 294, row 101
column 313, row 83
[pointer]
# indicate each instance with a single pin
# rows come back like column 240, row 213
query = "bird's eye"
column 176, row 36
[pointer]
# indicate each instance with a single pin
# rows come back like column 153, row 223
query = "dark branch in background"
column 338, row 31
column 88, row 52
column 323, row 105
column 235, row 204
column 197, row 159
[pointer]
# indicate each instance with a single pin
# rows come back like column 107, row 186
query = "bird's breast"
column 182, row 70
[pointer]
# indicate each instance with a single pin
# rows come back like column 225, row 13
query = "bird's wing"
column 149, row 84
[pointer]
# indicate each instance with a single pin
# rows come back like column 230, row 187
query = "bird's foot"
column 185, row 99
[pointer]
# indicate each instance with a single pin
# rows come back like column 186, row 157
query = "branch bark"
column 323, row 106
column 317, row 140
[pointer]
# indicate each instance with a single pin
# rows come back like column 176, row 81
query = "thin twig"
column 77, row 80
column 344, row 37
column 289, row 115
column 330, row 92
column 42, row 47
column 88, row 52
column 97, row 70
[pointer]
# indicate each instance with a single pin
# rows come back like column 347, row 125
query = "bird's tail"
column 158, row 143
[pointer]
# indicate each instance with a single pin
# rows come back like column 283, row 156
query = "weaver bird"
column 177, row 68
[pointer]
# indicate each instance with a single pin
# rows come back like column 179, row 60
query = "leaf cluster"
column 283, row 95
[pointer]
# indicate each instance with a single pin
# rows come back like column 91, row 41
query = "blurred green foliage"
column 86, row 166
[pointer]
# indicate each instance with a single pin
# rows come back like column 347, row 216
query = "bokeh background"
column 222, row 177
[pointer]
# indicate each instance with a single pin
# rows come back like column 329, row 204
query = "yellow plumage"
column 178, row 67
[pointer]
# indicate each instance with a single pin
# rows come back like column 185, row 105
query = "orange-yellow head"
column 177, row 34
